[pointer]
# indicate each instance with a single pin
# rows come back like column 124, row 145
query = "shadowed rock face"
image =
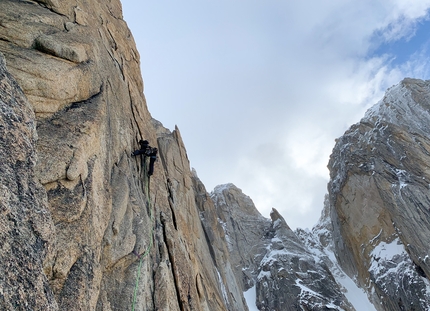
column 379, row 198
column 26, row 227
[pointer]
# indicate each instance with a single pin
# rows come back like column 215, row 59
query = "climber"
column 144, row 145
column 147, row 151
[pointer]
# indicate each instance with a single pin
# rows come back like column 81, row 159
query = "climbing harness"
column 148, row 249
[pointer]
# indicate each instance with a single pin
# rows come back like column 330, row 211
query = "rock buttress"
column 379, row 198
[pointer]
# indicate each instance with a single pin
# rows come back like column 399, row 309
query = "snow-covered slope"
column 291, row 276
column 278, row 271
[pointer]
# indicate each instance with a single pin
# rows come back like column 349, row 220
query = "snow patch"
column 264, row 274
column 387, row 251
column 226, row 234
column 223, row 289
column 377, row 236
column 307, row 290
column 277, row 223
column 390, row 263
column 273, row 256
column 250, row 297
column 390, row 259
column 398, row 107
column 220, row 188
column 217, row 194
column 402, row 176
column 355, row 295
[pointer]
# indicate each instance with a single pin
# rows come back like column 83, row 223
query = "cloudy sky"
column 261, row 89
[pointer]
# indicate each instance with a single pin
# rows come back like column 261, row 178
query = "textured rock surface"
column 290, row 265
column 379, row 198
column 269, row 256
column 195, row 261
column 219, row 248
column 25, row 224
column 77, row 63
column 245, row 231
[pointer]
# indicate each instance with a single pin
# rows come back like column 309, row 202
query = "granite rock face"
column 187, row 236
column 245, row 231
column 26, row 226
column 379, row 198
column 113, row 239
column 77, row 64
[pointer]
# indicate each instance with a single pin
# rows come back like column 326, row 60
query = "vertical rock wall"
column 25, row 223
column 379, row 198
column 117, row 239
column 245, row 230
column 192, row 241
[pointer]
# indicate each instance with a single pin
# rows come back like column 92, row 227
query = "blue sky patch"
column 403, row 48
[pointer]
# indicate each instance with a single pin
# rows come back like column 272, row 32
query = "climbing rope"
column 148, row 249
